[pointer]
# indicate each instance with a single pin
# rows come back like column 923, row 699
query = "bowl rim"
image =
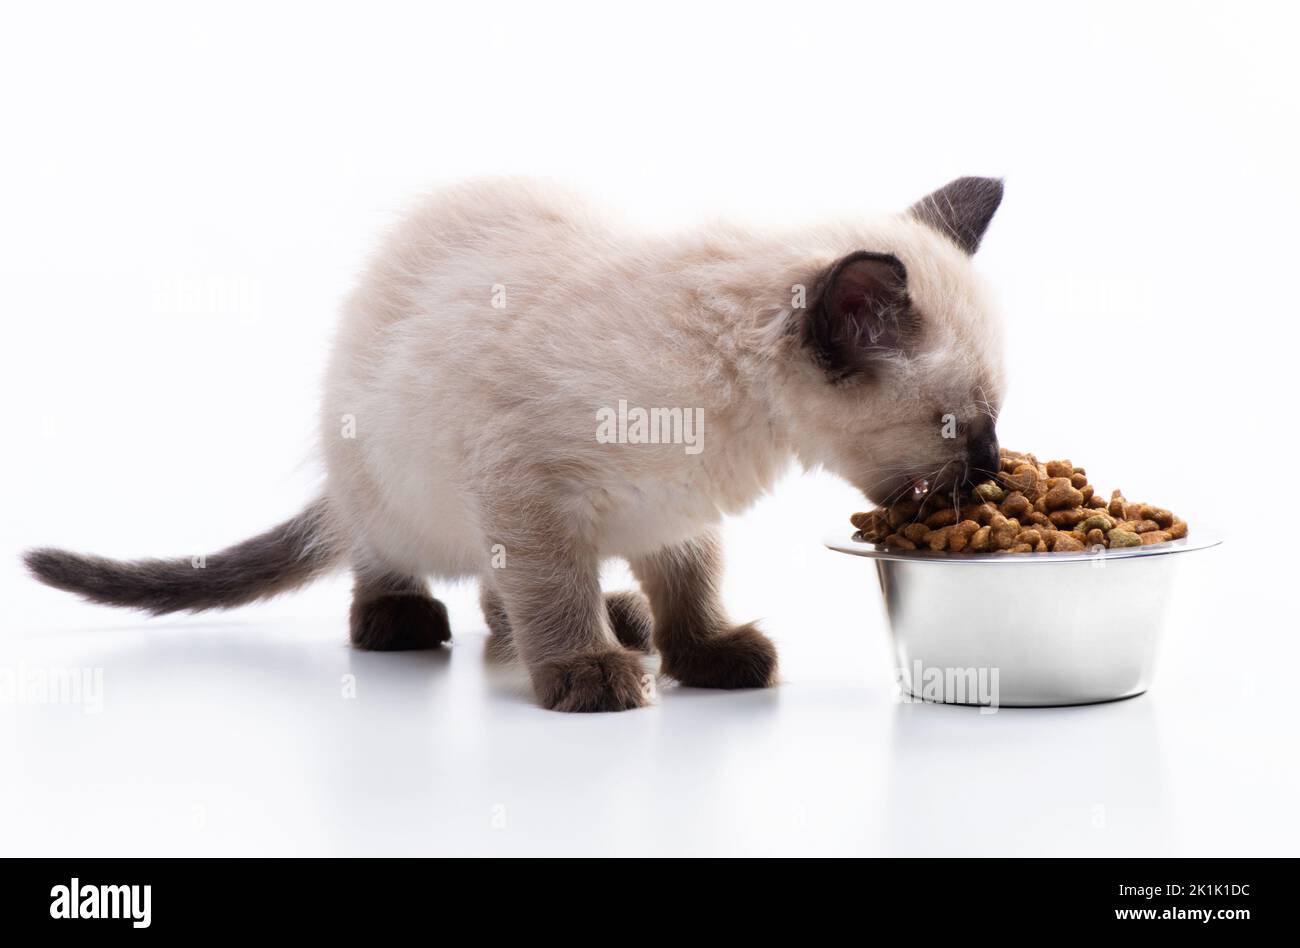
column 1198, row 538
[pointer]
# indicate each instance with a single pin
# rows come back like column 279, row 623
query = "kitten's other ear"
column 862, row 312
column 961, row 209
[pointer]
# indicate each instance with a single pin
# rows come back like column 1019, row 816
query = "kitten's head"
column 901, row 369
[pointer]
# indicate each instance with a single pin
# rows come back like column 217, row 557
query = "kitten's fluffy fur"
column 460, row 418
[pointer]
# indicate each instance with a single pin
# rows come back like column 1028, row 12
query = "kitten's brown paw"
column 629, row 615
column 741, row 657
column 612, row 680
column 399, row 622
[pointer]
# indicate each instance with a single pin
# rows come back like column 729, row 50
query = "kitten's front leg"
column 549, row 587
column 698, row 645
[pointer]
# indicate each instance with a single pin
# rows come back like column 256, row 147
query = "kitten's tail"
column 278, row 560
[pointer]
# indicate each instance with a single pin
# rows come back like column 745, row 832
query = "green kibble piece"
column 1096, row 522
column 1120, row 538
column 989, row 492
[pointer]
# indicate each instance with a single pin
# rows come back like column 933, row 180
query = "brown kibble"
column 1068, row 518
column 873, row 525
column 1003, row 535
column 1028, row 507
column 961, row 534
column 1016, row 504
column 1023, row 480
column 942, row 518
column 1062, row 542
column 1063, row 497
column 1158, row 514
column 916, row 532
column 938, row 539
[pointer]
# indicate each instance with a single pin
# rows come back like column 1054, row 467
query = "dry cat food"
column 1030, row 507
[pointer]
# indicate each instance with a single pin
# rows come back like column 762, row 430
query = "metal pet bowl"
column 1026, row 629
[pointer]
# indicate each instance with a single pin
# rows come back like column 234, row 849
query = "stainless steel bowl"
column 1026, row 630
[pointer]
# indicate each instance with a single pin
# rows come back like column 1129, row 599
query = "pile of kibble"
column 1031, row 507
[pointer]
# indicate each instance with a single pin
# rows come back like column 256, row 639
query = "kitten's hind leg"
column 500, row 644
column 391, row 612
column 628, row 612
column 630, row 618
column 698, row 645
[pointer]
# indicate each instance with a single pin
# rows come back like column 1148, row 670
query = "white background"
column 187, row 193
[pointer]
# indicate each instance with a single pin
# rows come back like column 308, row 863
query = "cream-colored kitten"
column 520, row 389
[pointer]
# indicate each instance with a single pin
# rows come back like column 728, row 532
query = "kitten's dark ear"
column 961, row 209
column 862, row 312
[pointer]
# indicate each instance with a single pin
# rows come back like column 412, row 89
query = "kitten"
column 468, row 424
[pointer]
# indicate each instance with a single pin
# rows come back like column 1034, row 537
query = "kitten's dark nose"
column 982, row 458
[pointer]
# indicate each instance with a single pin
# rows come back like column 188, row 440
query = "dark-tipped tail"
column 281, row 559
